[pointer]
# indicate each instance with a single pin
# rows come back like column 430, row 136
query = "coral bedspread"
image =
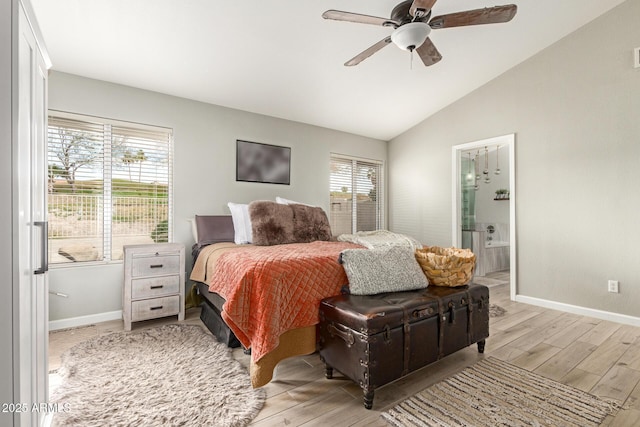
column 273, row 289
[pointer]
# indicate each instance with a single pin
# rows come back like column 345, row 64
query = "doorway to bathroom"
column 484, row 207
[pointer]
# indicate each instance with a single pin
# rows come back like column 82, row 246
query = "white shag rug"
column 169, row 375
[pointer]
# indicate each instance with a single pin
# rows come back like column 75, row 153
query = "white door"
column 32, row 227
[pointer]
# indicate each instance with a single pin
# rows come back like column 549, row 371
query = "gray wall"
column 204, row 168
column 575, row 110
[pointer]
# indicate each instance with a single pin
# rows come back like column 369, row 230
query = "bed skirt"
column 296, row 342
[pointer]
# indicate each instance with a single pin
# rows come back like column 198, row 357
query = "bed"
column 266, row 295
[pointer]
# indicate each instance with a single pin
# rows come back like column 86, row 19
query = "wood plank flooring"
column 594, row 355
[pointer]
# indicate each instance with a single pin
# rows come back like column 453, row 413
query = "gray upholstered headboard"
column 213, row 229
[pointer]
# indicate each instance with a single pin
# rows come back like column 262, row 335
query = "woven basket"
column 446, row 266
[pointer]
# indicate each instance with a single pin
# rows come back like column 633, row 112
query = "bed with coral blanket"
column 272, row 295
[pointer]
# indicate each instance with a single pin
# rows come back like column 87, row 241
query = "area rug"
column 495, row 393
column 487, row 281
column 169, row 375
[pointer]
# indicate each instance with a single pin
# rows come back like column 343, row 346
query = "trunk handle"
column 347, row 336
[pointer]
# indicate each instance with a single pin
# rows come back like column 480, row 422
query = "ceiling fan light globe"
column 411, row 36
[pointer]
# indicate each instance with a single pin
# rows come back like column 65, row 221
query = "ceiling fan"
column 412, row 25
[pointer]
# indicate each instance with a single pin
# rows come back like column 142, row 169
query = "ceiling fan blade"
column 428, row 53
column 425, row 5
column 368, row 52
column 339, row 15
column 490, row 15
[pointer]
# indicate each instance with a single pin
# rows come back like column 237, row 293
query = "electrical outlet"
column 636, row 57
column 612, row 286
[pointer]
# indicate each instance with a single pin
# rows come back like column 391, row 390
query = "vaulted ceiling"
column 281, row 59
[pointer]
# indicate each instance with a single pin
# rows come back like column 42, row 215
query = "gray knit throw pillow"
column 375, row 271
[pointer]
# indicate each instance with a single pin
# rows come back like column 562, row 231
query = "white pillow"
column 241, row 223
column 284, row 201
column 194, row 230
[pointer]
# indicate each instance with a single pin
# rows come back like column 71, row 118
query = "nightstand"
column 153, row 282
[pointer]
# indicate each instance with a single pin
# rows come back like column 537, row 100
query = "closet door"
column 30, row 178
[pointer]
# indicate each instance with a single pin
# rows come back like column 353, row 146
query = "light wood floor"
column 594, row 355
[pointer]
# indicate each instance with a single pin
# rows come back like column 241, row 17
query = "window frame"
column 107, row 208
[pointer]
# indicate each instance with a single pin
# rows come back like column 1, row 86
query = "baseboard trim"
column 74, row 322
column 48, row 420
column 583, row 311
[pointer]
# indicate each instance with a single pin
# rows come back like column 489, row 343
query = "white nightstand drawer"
column 155, row 265
column 153, row 308
column 151, row 287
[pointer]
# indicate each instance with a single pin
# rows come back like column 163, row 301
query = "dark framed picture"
column 257, row 162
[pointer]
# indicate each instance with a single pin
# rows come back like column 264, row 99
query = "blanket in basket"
column 380, row 239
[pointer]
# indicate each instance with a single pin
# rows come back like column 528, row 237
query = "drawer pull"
column 156, row 287
column 156, row 308
column 155, row 266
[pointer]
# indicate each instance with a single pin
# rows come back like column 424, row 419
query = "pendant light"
column 476, row 172
column 497, row 171
column 487, row 180
column 469, row 176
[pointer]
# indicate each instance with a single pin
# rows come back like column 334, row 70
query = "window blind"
column 356, row 189
column 110, row 184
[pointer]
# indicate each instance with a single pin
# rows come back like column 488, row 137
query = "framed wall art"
column 265, row 163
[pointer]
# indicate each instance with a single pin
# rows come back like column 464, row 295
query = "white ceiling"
column 281, row 59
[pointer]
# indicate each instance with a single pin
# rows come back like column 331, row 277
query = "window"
column 356, row 195
column 110, row 185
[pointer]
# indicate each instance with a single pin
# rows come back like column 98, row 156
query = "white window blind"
column 356, row 189
column 110, row 184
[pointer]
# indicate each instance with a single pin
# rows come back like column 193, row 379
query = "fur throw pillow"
column 276, row 224
column 310, row 223
column 271, row 223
